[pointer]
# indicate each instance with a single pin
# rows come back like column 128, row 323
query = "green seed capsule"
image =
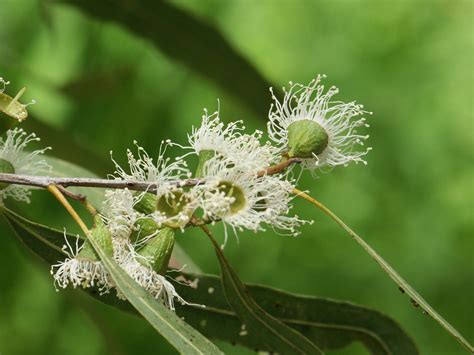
column 102, row 236
column 147, row 204
column 143, row 228
column 306, row 138
column 174, row 204
column 158, row 249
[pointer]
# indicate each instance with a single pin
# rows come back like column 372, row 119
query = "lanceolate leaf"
column 273, row 334
column 181, row 335
column 329, row 323
column 46, row 243
column 193, row 43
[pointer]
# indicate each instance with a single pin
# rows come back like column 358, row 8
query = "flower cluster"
column 239, row 181
column 14, row 160
column 324, row 132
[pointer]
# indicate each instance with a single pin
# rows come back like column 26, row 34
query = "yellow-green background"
column 411, row 62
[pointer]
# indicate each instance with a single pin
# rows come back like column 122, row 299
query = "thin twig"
column 415, row 296
column 78, row 197
column 74, row 196
column 45, row 181
column 64, row 182
column 278, row 168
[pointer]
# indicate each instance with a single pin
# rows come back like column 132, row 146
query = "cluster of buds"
column 234, row 183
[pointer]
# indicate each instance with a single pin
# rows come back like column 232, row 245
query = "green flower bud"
column 204, row 156
column 231, row 190
column 143, row 228
column 12, row 111
column 305, row 138
column 157, row 251
column 8, row 168
column 102, row 236
column 147, row 204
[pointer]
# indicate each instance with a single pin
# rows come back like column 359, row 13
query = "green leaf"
column 47, row 242
column 272, row 333
column 329, row 323
column 193, row 43
column 180, row 334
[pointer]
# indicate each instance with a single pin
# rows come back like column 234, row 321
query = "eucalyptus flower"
column 14, row 160
column 157, row 285
column 307, row 124
column 135, row 247
column 80, row 268
column 245, row 199
column 213, row 137
column 3, row 84
column 163, row 173
column 118, row 212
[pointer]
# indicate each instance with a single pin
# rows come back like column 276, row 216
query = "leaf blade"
column 321, row 320
column 192, row 42
column 181, row 335
column 274, row 334
column 330, row 323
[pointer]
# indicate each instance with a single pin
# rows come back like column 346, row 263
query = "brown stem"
column 278, row 168
column 62, row 182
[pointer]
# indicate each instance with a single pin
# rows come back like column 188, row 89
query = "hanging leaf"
column 272, row 333
column 194, row 43
column 180, row 334
column 329, row 323
column 47, row 242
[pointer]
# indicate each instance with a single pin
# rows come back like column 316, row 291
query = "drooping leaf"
column 47, row 242
column 272, row 333
column 180, row 334
column 193, row 43
column 329, row 323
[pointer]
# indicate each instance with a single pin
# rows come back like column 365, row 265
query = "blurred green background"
column 99, row 86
